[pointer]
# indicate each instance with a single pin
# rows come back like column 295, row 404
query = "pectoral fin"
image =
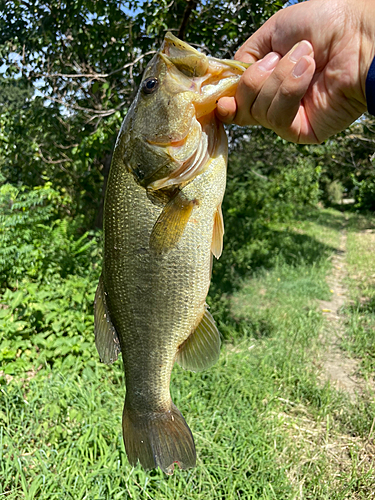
column 218, row 233
column 106, row 339
column 202, row 348
column 171, row 223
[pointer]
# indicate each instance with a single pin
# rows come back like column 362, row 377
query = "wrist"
column 367, row 54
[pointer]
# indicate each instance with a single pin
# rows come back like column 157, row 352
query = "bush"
column 364, row 193
column 35, row 241
column 49, row 274
column 334, row 192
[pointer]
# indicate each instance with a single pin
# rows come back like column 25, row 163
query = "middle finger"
column 273, row 84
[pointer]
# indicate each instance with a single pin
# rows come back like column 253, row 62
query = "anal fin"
column 218, row 233
column 202, row 348
column 171, row 223
column 106, row 338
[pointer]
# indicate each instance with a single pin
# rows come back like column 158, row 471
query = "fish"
column 163, row 223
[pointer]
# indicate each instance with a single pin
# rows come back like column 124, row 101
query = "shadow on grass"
column 328, row 219
column 343, row 207
column 362, row 222
column 245, row 256
column 365, row 307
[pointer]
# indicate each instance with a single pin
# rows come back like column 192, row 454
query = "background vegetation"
column 69, row 72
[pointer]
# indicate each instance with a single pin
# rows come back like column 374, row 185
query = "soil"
column 337, row 367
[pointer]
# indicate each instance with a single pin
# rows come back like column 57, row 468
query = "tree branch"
column 98, row 112
column 190, row 5
column 97, row 75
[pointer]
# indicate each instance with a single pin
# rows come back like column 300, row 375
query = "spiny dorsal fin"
column 106, row 339
column 202, row 348
column 218, row 233
column 171, row 223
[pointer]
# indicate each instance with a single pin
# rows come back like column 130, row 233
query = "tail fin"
column 158, row 439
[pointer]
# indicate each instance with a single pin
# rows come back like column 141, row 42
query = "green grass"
column 360, row 337
column 265, row 426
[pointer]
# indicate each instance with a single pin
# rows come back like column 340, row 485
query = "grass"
column 264, row 424
column 360, row 338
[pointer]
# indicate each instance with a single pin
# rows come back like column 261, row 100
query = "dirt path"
column 337, row 367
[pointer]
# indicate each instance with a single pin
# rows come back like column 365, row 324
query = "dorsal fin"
column 106, row 338
column 202, row 348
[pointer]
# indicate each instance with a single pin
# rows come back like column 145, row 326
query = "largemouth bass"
column 162, row 224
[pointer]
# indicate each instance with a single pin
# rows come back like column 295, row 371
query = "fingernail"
column 300, row 67
column 301, row 49
column 269, row 61
column 222, row 111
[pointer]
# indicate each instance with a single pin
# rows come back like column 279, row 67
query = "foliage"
column 365, row 192
column 50, row 323
column 49, row 275
column 35, row 242
column 83, row 61
column 334, row 192
column 264, row 424
column 348, row 159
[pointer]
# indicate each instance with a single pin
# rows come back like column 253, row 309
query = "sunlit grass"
column 265, row 426
column 360, row 337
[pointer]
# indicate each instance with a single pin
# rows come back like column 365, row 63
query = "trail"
column 337, row 368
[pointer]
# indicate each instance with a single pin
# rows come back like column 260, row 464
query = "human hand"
column 310, row 91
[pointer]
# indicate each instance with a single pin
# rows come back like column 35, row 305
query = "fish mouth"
column 193, row 63
column 208, row 80
column 183, row 56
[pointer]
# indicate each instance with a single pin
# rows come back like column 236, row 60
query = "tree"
column 84, row 59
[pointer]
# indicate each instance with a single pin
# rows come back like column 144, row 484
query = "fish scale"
column 173, row 287
column 158, row 247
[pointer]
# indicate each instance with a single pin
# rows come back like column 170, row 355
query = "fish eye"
column 150, row 85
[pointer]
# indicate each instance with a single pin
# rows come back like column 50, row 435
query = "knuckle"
column 275, row 120
column 258, row 113
column 287, row 93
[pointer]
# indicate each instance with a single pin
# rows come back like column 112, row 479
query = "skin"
column 155, row 287
column 311, row 62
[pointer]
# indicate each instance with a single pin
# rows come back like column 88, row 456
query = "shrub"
column 49, row 272
column 35, row 241
column 364, row 193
